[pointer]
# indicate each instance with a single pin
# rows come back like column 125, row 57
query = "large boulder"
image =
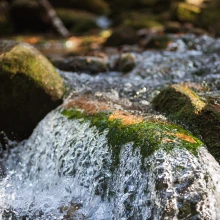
column 200, row 115
column 29, row 86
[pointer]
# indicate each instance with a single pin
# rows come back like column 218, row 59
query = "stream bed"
column 65, row 169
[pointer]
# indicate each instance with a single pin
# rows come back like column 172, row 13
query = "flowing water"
column 65, row 170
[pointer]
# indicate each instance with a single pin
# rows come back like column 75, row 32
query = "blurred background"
column 88, row 25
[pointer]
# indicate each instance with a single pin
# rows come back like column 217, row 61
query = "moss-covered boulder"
column 29, row 86
column 201, row 116
column 124, row 127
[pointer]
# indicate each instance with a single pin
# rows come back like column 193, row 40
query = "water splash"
column 64, row 170
column 67, row 164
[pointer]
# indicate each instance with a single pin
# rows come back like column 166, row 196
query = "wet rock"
column 178, row 182
column 200, row 115
column 29, row 86
column 86, row 64
column 129, row 157
column 77, row 21
column 125, row 63
column 125, row 127
column 122, row 36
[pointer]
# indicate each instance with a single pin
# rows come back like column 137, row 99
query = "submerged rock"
column 29, row 86
column 201, row 116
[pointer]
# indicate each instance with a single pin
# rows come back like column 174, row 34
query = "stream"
column 65, row 169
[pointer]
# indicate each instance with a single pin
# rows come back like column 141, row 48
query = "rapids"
column 65, row 170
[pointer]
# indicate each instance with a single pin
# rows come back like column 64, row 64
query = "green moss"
column 30, row 87
column 187, row 12
column 26, row 60
column 149, row 136
column 184, row 106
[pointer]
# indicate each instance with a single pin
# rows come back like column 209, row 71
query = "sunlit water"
column 65, row 170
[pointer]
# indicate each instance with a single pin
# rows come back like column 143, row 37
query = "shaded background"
column 107, row 22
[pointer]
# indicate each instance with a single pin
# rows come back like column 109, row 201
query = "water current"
column 65, row 169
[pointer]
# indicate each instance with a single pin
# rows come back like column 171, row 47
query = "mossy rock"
column 199, row 116
column 123, row 128
column 30, row 87
column 77, row 21
column 186, row 11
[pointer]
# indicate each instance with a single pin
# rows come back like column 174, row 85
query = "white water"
column 67, row 162
column 64, row 170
